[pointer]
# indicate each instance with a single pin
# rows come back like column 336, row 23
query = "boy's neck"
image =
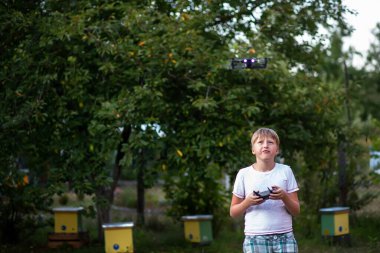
column 263, row 166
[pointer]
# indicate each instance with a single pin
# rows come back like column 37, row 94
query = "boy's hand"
column 277, row 193
column 255, row 200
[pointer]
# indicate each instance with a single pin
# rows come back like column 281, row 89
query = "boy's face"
column 265, row 148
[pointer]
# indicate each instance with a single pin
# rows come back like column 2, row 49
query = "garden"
column 135, row 111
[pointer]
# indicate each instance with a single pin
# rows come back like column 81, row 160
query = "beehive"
column 118, row 237
column 335, row 221
column 67, row 219
column 198, row 228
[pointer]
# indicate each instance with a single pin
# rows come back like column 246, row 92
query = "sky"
column 364, row 22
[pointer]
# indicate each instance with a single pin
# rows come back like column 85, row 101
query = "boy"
column 268, row 219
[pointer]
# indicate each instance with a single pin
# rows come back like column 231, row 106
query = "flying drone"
column 249, row 63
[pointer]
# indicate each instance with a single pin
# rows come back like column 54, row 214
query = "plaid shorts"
column 279, row 243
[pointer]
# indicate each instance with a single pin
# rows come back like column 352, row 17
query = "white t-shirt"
column 270, row 217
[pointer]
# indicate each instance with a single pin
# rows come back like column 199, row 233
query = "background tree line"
column 91, row 90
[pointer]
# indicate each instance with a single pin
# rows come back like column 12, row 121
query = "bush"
column 63, row 199
column 126, row 198
column 20, row 209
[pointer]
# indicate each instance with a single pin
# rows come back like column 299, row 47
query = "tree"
column 353, row 132
column 371, row 78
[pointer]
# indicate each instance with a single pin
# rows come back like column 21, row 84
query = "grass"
column 162, row 235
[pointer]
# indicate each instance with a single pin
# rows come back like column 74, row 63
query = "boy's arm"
column 292, row 203
column 239, row 206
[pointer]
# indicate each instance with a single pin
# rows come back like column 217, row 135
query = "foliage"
column 21, row 205
column 371, row 78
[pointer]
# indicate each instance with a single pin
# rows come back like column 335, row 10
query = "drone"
column 249, row 63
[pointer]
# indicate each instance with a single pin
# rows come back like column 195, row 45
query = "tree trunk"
column 103, row 211
column 103, row 216
column 342, row 164
column 342, row 149
column 141, row 195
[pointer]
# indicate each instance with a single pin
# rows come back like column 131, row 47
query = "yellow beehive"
column 334, row 221
column 118, row 237
column 198, row 228
column 67, row 219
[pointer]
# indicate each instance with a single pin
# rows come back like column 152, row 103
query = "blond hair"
column 265, row 132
